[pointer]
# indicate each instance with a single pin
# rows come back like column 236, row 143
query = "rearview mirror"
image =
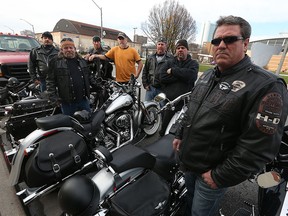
column 160, row 97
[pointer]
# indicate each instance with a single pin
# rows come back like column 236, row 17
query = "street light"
column 100, row 8
column 9, row 28
column 134, row 33
column 30, row 25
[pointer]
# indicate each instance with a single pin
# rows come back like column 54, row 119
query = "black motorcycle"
column 131, row 181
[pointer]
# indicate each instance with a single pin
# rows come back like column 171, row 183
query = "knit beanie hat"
column 48, row 35
column 182, row 42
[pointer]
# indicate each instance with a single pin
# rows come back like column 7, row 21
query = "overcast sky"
column 267, row 17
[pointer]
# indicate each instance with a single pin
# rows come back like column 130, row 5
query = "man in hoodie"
column 177, row 76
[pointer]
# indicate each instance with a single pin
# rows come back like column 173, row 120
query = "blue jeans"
column 201, row 199
column 150, row 95
column 71, row 108
column 42, row 85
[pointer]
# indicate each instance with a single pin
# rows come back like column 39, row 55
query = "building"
column 270, row 53
column 82, row 34
column 208, row 29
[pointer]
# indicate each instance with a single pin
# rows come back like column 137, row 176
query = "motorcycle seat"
column 89, row 130
column 129, row 157
column 50, row 122
column 164, row 153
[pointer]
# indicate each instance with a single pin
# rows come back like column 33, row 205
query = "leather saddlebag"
column 56, row 157
column 149, row 195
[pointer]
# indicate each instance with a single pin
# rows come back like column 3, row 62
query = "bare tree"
column 169, row 20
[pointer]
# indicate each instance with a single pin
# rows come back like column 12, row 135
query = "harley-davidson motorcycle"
column 62, row 146
column 151, row 171
column 132, row 181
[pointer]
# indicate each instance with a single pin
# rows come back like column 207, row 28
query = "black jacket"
column 151, row 70
column 182, row 78
column 39, row 59
column 234, row 122
column 59, row 81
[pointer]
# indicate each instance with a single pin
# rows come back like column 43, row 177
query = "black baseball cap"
column 47, row 34
column 96, row 38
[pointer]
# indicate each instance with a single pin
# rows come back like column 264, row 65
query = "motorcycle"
column 62, row 146
column 131, row 181
column 130, row 173
column 127, row 116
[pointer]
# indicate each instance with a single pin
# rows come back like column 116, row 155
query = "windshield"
column 14, row 43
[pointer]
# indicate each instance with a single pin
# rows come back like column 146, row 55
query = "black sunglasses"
column 227, row 40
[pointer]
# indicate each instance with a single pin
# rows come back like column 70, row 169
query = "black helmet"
column 13, row 82
column 79, row 196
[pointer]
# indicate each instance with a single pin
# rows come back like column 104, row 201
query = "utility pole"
column 30, row 25
column 134, row 36
column 100, row 8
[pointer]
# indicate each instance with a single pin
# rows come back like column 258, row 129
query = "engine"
column 116, row 130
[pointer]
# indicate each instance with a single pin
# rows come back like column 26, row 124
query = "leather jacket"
column 59, row 81
column 38, row 61
column 234, row 123
column 151, row 70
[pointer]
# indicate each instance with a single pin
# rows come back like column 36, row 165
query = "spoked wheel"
column 152, row 121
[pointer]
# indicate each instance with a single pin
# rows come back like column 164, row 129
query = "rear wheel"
column 151, row 121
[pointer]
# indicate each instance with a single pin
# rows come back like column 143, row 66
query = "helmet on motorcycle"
column 13, row 82
column 82, row 116
column 79, row 196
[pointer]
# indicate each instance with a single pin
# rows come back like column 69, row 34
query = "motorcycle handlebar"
column 171, row 104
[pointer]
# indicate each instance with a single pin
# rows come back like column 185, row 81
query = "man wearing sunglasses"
column 234, row 122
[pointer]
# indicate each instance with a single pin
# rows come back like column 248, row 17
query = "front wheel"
column 151, row 121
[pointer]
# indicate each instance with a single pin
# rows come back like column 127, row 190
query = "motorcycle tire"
column 151, row 129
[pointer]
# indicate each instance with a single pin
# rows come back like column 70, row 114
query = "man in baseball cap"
column 39, row 58
column 107, row 67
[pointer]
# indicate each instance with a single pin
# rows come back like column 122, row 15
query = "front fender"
column 24, row 144
column 146, row 105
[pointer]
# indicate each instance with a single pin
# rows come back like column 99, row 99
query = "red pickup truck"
column 14, row 54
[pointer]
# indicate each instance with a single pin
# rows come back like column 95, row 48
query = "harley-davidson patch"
column 237, row 85
column 269, row 113
column 224, row 86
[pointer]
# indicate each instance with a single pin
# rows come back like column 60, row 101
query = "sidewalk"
column 9, row 202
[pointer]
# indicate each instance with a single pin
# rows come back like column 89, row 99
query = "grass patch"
column 204, row 67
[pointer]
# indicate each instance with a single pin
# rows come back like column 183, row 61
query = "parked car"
column 14, row 54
